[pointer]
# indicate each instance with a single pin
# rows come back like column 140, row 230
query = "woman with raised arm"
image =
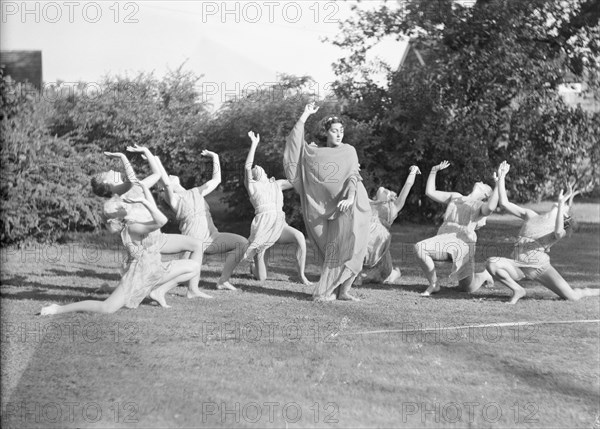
column 335, row 204
column 538, row 233
column 112, row 183
column 144, row 273
column 269, row 225
column 384, row 210
column 193, row 214
column 456, row 237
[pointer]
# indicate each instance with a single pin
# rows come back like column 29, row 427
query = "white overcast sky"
column 235, row 44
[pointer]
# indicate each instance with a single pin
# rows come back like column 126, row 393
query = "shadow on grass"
column 302, row 296
column 21, row 281
column 86, row 273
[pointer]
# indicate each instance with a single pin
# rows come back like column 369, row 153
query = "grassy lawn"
column 267, row 356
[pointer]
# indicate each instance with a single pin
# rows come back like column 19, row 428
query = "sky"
column 235, row 45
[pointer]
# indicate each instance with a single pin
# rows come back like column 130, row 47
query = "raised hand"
column 136, row 148
column 441, row 166
column 414, row 170
column 562, row 197
column 310, row 108
column 254, row 137
column 206, row 152
column 503, row 169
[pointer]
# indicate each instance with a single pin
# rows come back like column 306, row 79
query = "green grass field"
column 267, row 356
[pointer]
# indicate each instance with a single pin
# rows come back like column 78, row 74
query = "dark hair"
column 329, row 121
column 100, row 188
column 325, row 125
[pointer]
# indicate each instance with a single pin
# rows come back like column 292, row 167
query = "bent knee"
column 491, row 265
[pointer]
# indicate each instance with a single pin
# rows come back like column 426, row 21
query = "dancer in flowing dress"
column 144, row 273
column 113, row 182
column 269, row 225
column 335, row 204
column 538, row 234
column 456, row 237
column 193, row 214
column 378, row 267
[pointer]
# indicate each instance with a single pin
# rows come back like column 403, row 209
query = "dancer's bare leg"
column 508, row 273
column 181, row 270
column 234, row 245
column 389, row 274
column 344, row 289
column 260, row 266
column 177, row 243
column 114, row 302
column 475, row 281
column 426, row 263
column 557, row 284
column 292, row 235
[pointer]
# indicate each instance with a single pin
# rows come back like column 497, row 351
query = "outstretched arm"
column 410, row 181
column 434, row 194
column 284, row 184
column 294, row 144
column 129, row 172
column 215, row 181
column 255, row 138
column 512, row 208
column 158, row 218
column 559, row 229
column 147, row 154
column 172, row 199
column 492, row 202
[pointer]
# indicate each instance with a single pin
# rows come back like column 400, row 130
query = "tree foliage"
column 487, row 91
column 44, row 177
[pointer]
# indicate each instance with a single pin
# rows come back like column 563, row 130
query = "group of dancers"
column 350, row 231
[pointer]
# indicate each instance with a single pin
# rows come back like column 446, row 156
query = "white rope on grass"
column 483, row 326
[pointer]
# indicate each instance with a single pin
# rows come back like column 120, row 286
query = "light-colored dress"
column 378, row 262
column 457, row 236
column 269, row 217
column 323, row 176
column 193, row 215
column 380, row 239
column 143, row 269
column 137, row 211
column 533, row 244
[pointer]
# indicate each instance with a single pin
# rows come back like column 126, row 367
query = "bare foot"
column 393, row 277
column 305, row 281
column 49, row 310
column 198, row 294
column 431, row 290
column 225, row 286
column 347, row 297
column 517, row 295
column 160, row 298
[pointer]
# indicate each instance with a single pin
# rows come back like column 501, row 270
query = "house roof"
column 23, row 66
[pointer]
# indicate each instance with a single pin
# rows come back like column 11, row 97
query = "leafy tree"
column 272, row 113
column 43, row 178
column 165, row 115
column 487, row 91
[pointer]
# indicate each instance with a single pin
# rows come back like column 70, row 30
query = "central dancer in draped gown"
column 335, row 204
